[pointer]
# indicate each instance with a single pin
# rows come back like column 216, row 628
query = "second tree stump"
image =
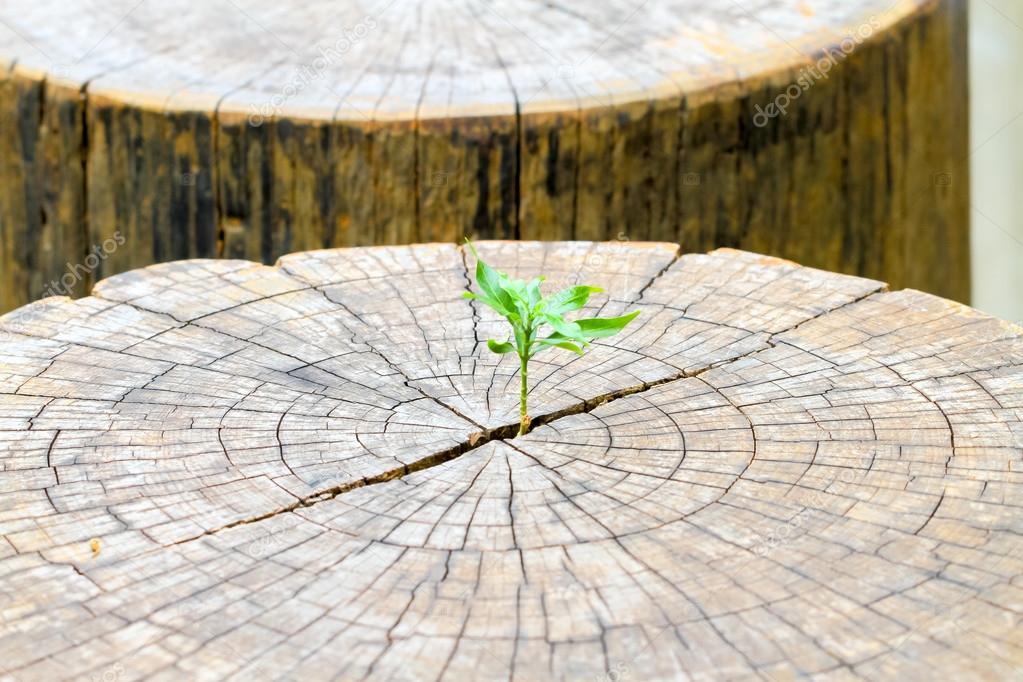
column 831, row 133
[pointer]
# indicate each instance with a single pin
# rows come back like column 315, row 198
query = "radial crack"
column 505, row 432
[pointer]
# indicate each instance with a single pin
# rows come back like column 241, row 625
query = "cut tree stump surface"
column 219, row 469
column 255, row 128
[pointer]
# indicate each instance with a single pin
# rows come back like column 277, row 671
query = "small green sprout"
column 527, row 311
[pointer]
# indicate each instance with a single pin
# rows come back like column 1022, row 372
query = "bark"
column 212, row 130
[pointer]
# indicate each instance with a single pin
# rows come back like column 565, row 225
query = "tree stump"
column 220, row 469
column 830, row 133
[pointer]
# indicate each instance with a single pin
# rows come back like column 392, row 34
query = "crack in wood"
column 505, row 433
column 763, row 459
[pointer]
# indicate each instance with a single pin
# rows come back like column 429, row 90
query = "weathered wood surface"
column 253, row 129
column 215, row 469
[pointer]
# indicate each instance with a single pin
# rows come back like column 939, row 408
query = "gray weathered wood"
column 217, row 469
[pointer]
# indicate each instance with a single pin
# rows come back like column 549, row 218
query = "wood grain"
column 219, row 469
column 236, row 130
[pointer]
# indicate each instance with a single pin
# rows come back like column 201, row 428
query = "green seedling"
column 531, row 314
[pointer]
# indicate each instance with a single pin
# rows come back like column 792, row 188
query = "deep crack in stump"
column 223, row 469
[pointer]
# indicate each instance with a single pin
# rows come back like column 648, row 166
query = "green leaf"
column 493, row 285
column 600, row 327
column 488, row 302
column 500, row 347
column 515, row 287
column 562, row 326
column 570, row 299
column 533, row 295
column 555, row 341
column 472, row 296
column 523, row 340
column 523, row 310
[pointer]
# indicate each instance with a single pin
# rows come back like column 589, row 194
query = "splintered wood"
column 224, row 470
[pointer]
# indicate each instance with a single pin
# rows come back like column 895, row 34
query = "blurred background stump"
column 829, row 133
